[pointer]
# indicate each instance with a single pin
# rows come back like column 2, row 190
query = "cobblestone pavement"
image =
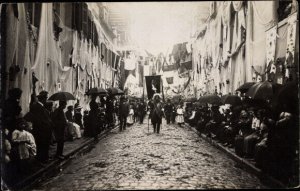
column 177, row 158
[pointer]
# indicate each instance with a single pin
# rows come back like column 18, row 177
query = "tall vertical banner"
column 153, row 85
column 290, row 71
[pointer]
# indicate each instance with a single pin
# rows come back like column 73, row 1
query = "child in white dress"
column 130, row 119
column 179, row 117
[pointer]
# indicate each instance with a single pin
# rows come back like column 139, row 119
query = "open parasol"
column 115, row 91
column 97, row 91
column 62, row 96
column 245, row 87
column 211, row 99
column 231, row 99
column 263, row 90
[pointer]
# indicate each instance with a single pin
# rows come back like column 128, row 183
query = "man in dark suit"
column 156, row 114
column 60, row 121
column 123, row 113
column 168, row 111
column 141, row 108
column 42, row 127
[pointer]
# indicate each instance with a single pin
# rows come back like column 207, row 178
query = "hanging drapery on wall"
column 65, row 45
column 237, row 52
column 261, row 16
column 48, row 57
column 12, row 27
column 25, row 85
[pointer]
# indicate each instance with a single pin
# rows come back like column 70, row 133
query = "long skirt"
column 179, row 119
column 130, row 119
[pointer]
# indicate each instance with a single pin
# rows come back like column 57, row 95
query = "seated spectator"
column 224, row 111
column 262, row 152
column 251, row 140
column 216, row 119
column 230, row 130
column 102, row 123
column 283, row 144
column 244, row 129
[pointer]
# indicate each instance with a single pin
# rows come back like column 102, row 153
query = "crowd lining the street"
column 255, row 131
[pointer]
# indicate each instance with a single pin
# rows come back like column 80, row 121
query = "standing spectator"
column 109, row 111
column 78, row 116
column 93, row 120
column 179, row 117
column 135, row 110
column 130, row 117
column 141, row 111
column 49, row 107
column 173, row 114
column 70, row 130
column 123, row 113
column 168, row 111
column 60, row 121
column 85, row 122
column 156, row 114
column 42, row 126
column 69, row 113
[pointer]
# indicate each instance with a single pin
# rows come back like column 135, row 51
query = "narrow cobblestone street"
column 135, row 159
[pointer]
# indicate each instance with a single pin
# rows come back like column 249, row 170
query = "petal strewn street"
column 177, row 158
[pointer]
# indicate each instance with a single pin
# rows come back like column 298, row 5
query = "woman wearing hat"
column 78, row 116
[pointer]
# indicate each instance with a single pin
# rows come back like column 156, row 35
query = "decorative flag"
column 271, row 44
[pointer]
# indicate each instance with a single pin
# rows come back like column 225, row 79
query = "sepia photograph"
column 170, row 95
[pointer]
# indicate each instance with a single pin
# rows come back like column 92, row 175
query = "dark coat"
column 42, row 125
column 141, row 109
column 157, row 113
column 78, row 119
column 10, row 110
column 60, row 123
column 69, row 116
column 124, row 109
column 93, row 123
column 168, row 108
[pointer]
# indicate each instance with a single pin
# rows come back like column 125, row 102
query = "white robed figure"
column 179, row 118
column 130, row 120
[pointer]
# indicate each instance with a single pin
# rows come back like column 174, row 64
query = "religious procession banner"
column 153, row 85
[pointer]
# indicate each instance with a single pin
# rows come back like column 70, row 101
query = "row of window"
column 73, row 15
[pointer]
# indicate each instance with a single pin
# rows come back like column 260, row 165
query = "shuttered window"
column 84, row 19
column 34, row 10
column 68, row 14
column 77, row 16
